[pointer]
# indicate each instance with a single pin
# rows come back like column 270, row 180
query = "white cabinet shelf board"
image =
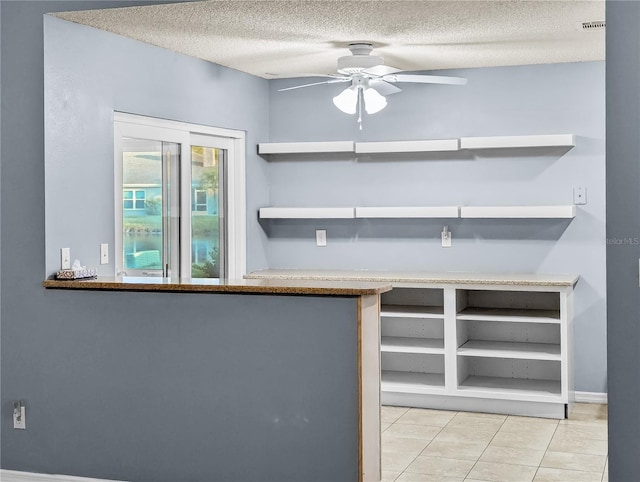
column 408, row 212
column 411, row 382
column 503, row 349
column 399, row 344
column 306, row 147
column 511, row 315
column 438, row 145
column 306, row 213
column 525, row 388
column 399, row 311
column 502, row 142
column 515, row 212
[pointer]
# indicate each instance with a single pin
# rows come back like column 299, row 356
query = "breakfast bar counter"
column 287, row 375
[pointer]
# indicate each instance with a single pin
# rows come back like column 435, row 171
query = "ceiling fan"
column 371, row 81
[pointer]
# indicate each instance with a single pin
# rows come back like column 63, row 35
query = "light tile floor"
column 420, row 445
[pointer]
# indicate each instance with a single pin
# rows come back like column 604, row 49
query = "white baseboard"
column 15, row 476
column 590, row 397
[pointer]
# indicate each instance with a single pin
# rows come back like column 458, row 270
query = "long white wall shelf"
column 424, row 212
column 527, row 212
column 438, row 145
column 419, row 145
column 505, row 142
column 305, row 147
column 307, row 213
column 408, row 212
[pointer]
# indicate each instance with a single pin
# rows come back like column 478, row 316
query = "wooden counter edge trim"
column 290, row 288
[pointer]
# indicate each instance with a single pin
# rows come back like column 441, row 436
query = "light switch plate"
column 321, row 237
column 104, row 253
column 65, row 258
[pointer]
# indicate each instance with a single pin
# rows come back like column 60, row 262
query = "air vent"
column 600, row 25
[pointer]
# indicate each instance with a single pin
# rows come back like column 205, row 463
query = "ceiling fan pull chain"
column 360, row 108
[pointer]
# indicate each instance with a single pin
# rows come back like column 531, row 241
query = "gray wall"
column 89, row 74
column 539, row 99
column 623, row 222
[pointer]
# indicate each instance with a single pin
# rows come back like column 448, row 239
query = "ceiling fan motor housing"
column 360, row 60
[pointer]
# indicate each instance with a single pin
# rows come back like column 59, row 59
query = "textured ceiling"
column 276, row 38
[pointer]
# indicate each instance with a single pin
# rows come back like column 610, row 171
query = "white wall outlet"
column 65, row 258
column 19, row 416
column 579, row 195
column 321, row 237
column 104, row 253
column 446, row 237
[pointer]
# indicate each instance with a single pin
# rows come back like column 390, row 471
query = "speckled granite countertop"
column 419, row 277
column 197, row 285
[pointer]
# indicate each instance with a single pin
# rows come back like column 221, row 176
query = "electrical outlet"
column 321, row 237
column 579, row 195
column 19, row 416
column 446, row 237
column 65, row 258
column 104, row 253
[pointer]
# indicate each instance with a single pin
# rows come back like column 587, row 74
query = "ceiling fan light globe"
column 347, row 100
column 373, row 101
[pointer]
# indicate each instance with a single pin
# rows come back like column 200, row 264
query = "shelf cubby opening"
column 534, row 341
column 412, row 335
column 412, row 373
column 508, row 306
column 508, row 377
column 413, row 303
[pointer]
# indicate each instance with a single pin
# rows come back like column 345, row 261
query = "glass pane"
column 205, row 211
column 142, row 215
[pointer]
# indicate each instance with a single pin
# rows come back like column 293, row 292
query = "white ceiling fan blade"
column 333, row 81
column 383, row 88
column 381, row 70
column 425, row 79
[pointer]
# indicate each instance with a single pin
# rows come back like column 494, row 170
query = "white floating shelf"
column 553, row 140
column 408, row 212
column 439, row 145
column 411, row 382
column 306, row 213
column 398, row 344
column 305, row 147
column 505, row 349
column 405, row 311
column 525, row 212
column 510, row 315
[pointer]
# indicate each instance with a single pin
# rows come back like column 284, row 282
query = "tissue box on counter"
column 77, row 273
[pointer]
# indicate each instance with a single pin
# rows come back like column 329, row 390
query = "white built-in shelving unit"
column 493, row 343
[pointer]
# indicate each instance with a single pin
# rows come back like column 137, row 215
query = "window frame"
column 187, row 134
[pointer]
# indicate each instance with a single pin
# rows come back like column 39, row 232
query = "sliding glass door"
column 171, row 202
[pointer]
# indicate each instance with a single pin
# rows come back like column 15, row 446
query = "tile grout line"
column 485, row 449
